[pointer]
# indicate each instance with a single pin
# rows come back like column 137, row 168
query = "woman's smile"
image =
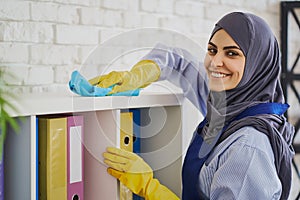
column 215, row 74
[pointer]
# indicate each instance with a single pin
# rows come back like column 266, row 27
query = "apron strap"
column 263, row 108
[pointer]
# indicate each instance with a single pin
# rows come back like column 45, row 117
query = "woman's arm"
column 184, row 70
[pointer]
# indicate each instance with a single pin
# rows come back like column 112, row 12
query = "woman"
column 242, row 149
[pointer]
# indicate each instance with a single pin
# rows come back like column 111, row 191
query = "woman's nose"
column 217, row 60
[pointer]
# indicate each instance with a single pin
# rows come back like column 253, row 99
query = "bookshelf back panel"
column 161, row 143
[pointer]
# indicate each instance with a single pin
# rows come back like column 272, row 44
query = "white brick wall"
column 44, row 41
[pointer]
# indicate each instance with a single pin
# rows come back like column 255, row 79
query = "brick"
column 218, row 11
column 38, row 89
column 202, row 26
column 132, row 20
column 187, row 8
column 201, row 40
column 246, row 4
column 106, row 34
column 149, row 20
column 238, row 4
column 39, row 75
column 91, row 16
column 68, row 14
column 63, row 88
column 133, row 6
column 27, row 32
column 112, row 18
column 176, row 24
column 85, row 52
column 157, row 6
column 2, row 30
column 53, row 54
column 44, row 12
column 103, row 54
column 50, row 12
column 13, row 53
column 15, row 74
column 166, row 7
column 62, row 73
column 149, row 6
column 14, row 10
column 84, row 35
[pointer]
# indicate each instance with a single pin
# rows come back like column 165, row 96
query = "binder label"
column 75, row 154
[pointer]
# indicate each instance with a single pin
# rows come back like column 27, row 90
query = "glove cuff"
column 146, row 70
column 156, row 191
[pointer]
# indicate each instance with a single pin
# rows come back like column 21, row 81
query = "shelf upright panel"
column 20, row 161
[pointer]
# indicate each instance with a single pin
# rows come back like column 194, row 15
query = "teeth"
column 217, row 75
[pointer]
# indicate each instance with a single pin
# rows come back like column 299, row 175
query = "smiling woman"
column 242, row 149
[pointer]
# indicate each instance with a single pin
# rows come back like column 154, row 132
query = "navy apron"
column 198, row 150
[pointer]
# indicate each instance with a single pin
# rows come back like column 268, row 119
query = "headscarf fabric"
column 260, row 84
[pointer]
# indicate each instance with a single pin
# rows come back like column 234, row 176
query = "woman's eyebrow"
column 224, row 48
column 212, row 44
column 231, row 47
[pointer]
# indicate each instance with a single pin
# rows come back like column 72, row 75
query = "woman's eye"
column 232, row 53
column 211, row 51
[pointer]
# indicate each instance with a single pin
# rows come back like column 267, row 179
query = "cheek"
column 241, row 69
column 241, row 74
column 238, row 71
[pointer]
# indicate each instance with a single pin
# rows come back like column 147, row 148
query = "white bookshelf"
column 161, row 116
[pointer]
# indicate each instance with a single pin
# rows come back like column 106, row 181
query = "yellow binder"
column 52, row 158
column 126, row 142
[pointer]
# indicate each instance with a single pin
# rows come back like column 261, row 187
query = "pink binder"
column 75, row 160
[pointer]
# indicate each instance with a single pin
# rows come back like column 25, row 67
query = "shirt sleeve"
column 184, row 70
column 245, row 173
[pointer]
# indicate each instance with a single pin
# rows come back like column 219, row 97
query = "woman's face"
column 224, row 62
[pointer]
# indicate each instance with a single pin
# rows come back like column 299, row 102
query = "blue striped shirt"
column 241, row 167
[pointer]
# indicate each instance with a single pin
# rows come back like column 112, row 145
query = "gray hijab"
column 259, row 84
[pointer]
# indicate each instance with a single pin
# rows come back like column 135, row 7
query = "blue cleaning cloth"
column 79, row 85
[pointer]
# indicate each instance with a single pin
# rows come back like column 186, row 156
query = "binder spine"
column 75, row 159
column 126, row 142
column 136, row 138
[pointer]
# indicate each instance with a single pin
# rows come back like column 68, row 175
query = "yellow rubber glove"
column 141, row 75
column 135, row 174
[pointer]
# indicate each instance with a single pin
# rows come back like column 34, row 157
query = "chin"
column 217, row 87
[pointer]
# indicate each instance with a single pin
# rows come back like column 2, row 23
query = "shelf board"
column 56, row 103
